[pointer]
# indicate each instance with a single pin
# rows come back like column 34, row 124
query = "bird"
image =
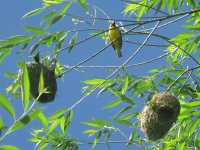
column 115, row 37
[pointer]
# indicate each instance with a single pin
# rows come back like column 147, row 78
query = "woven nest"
column 34, row 71
column 158, row 118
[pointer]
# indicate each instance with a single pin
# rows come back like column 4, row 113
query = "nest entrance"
column 156, row 120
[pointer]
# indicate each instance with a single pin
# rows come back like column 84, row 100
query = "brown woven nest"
column 34, row 71
column 158, row 118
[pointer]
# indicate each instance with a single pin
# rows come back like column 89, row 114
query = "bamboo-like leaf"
column 25, row 120
column 113, row 104
column 4, row 53
column 33, row 12
column 48, row 16
column 43, row 119
column 9, row 147
column 54, row 20
column 129, row 116
column 57, row 114
column 96, row 139
column 7, row 106
column 68, row 120
column 25, row 85
column 97, row 123
column 72, row 42
column 34, row 30
column 125, row 87
column 83, row 4
column 91, row 131
column 122, row 96
column 41, row 83
column 123, row 122
column 65, row 8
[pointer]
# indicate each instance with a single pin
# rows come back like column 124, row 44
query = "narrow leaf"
column 83, row 4
column 91, row 131
column 34, row 30
column 9, row 147
column 33, row 12
column 54, row 20
column 25, row 85
column 72, row 42
column 25, row 120
column 7, row 106
column 41, row 83
column 113, row 104
column 48, row 16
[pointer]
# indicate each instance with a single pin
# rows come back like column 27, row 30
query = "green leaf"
column 96, row 139
column 83, row 4
column 54, row 20
column 125, row 87
column 98, row 123
column 7, row 106
column 9, row 147
column 41, row 83
column 129, row 116
column 123, row 97
column 123, row 110
column 123, row 122
column 65, row 8
column 68, row 120
column 57, row 114
column 54, row 125
column 33, row 12
column 4, row 53
column 25, row 120
column 52, row 2
column 48, row 16
column 91, row 131
column 25, row 85
column 192, row 27
column 113, row 104
column 72, row 42
column 43, row 119
column 34, row 30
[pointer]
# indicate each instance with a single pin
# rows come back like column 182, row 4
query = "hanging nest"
column 34, row 71
column 158, row 117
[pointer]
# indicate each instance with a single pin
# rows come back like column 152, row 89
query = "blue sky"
column 69, row 90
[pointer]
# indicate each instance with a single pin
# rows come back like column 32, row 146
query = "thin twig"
column 127, row 61
column 191, row 69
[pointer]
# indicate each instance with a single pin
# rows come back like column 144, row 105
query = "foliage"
column 177, row 74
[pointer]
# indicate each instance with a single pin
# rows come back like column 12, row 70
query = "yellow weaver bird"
column 115, row 37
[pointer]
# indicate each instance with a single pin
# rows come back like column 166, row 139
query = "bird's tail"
column 119, row 53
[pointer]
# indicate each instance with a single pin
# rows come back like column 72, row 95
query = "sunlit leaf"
column 57, row 114
column 53, row 21
column 43, row 119
column 33, row 12
column 65, row 8
column 4, row 53
column 25, row 120
column 7, row 106
column 96, row 139
column 123, row 122
column 72, row 42
column 98, row 123
column 25, row 85
column 113, row 103
column 9, row 147
column 48, row 16
column 91, row 131
column 34, row 30
column 83, row 4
